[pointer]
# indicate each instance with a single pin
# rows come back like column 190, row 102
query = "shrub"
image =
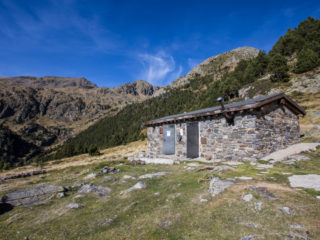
column 93, row 150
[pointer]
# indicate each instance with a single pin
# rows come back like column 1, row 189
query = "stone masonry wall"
column 219, row 140
column 251, row 137
column 276, row 129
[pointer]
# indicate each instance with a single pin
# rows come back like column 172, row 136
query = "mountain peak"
column 218, row 65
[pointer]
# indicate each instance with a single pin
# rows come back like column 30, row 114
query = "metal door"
column 193, row 139
column 168, row 140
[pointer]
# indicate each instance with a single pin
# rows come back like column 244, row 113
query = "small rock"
column 248, row 237
column 257, row 206
column 157, row 194
column 252, row 225
column 193, row 164
column 217, row 185
column 262, row 191
column 127, row 177
column 76, row 185
column 298, row 227
column 91, row 188
column 233, row 163
column 107, row 221
column 152, row 175
column 244, row 178
column 79, row 196
column 318, row 197
column 264, row 166
column 73, row 205
column 91, row 175
column 203, row 200
column 165, row 224
column 223, row 168
column 286, row 210
column 247, row 197
column 61, row 195
column 109, row 170
column 138, row 185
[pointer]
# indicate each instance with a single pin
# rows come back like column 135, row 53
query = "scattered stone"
column 257, row 206
column 298, row 227
column 217, row 185
column 295, row 158
column 262, row 191
column 79, row 196
column 264, row 166
column 286, row 173
column 247, row 197
column 76, row 185
column 244, row 178
column 73, row 205
column 152, row 175
column 233, row 163
column 294, row 236
column 61, row 195
column 165, row 224
column 248, row 237
column 138, row 185
column 193, row 164
column 318, row 197
column 203, row 200
column 107, row 221
column 223, row 168
column 91, row 175
column 156, row 194
column 286, row 210
column 109, row 179
column 98, row 190
column 127, row 177
column 31, row 196
column 305, row 181
column 109, row 170
column 24, row 174
column 33, row 204
column 252, row 225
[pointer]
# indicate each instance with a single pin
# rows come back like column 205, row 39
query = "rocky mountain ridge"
column 44, row 111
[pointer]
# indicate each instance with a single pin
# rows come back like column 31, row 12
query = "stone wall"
column 251, row 136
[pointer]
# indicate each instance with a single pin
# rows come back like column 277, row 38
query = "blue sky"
column 114, row 42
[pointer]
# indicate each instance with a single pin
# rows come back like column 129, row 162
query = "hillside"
column 44, row 111
column 218, row 65
column 275, row 71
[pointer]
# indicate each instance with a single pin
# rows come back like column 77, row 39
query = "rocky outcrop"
column 136, row 88
column 216, row 66
column 31, row 196
column 50, row 82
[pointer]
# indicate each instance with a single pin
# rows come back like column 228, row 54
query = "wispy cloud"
column 54, row 24
column 159, row 69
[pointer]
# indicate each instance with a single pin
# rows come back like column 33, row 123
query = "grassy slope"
column 140, row 215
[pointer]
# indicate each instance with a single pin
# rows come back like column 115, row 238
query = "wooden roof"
column 253, row 103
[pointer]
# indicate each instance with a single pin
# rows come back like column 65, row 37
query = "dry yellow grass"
column 84, row 159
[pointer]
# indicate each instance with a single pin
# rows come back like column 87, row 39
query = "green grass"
column 141, row 214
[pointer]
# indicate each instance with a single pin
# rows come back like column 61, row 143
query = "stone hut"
column 246, row 130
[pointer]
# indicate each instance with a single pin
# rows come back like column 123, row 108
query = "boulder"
column 98, row 190
column 305, row 181
column 217, row 185
column 138, row 185
column 31, row 196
